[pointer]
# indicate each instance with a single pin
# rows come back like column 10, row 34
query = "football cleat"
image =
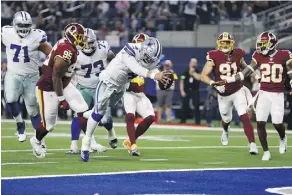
column 225, row 137
column 127, row 144
column 21, row 132
column 266, row 156
column 253, row 150
column 85, row 155
column 44, row 146
column 97, row 148
column 113, row 143
column 134, row 150
column 37, row 148
column 283, row 145
column 73, row 152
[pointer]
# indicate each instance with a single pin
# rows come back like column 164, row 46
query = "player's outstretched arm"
column 208, row 68
column 59, row 70
column 45, row 47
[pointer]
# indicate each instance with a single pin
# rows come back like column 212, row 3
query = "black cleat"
column 114, row 143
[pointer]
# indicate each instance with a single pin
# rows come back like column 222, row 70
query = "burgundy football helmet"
column 266, row 42
column 75, row 34
column 225, row 42
column 139, row 38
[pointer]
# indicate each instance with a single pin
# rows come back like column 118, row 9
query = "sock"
column 82, row 122
column 92, row 122
column 262, row 133
column 248, row 129
column 225, row 125
column 74, row 145
column 144, row 125
column 41, row 132
column 75, row 129
column 36, row 121
column 281, row 130
column 130, row 119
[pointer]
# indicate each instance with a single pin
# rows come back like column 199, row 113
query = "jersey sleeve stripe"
column 129, row 50
column 42, row 109
column 44, row 38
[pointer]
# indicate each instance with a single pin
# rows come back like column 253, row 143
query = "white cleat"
column 266, row 156
column 283, row 145
column 21, row 137
column 253, row 149
column 225, row 137
column 97, row 148
column 37, row 149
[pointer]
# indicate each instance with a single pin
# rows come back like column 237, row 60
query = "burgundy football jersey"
column 227, row 65
column 67, row 52
column 273, row 70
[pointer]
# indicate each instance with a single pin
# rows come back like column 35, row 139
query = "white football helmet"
column 22, row 23
column 150, row 52
column 90, row 42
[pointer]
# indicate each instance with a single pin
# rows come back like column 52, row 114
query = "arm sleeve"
column 134, row 66
column 43, row 36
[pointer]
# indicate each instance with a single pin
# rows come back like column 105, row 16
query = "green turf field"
column 173, row 148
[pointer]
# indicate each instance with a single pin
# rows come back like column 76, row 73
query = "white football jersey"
column 125, row 66
column 88, row 68
column 23, row 56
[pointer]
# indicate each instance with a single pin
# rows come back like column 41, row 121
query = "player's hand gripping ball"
column 169, row 80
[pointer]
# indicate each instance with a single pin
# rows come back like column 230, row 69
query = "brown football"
column 164, row 86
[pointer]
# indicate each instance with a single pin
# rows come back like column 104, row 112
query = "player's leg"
column 130, row 106
column 160, row 104
column 241, row 106
column 168, row 104
column 102, row 95
column 48, row 103
column 225, row 108
column 277, row 115
column 263, row 108
column 146, row 111
column 13, row 88
column 107, row 123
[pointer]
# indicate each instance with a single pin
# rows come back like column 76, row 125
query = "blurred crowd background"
column 187, row 30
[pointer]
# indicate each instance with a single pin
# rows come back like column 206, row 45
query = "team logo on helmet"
column 225, row 42
column 75, row 34
column 139, row 38
column 266, row 42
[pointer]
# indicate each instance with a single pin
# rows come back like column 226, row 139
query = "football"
column 167, row 85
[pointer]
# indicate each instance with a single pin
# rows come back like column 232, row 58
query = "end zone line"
column 143, row 171
column 163, row 127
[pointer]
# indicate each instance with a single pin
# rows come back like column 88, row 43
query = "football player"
column 91, row 60
column 23, row 46
column 223, row 62
column 134, row 101
column 54, row 88
column 134, row 59
column 274, row 65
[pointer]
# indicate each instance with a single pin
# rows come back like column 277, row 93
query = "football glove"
column 63, row 104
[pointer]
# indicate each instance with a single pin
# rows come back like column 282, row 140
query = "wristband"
column 61, row 98
column 152, row 75
column 211, row 83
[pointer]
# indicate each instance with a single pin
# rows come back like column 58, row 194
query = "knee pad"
column 96, row 116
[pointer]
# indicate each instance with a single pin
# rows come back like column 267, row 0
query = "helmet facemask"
column 90, row 46
column 225, row 45
column 263, row 46
column 22, row 23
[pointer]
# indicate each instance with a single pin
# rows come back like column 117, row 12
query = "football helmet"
column 75, row 34
column 90, row 41
column 139, row 38
column 225, row 42
column 22, row 23
column 266, row 42
column 150, row 52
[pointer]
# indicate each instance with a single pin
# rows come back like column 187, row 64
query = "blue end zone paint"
column 222, row 182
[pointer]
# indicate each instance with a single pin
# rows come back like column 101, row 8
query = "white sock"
column 91, row 125
column 93, row 141
column 85, row 143
column 18, row 118
column 112, row 134
column 74, row 145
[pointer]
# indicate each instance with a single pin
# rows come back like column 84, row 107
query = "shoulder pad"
column 211, row 55
column 40, row 34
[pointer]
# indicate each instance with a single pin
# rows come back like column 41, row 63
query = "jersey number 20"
column 17, row 51
column 98, row 64
column 271, row 73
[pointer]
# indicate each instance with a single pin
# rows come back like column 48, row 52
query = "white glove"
column 220, row 89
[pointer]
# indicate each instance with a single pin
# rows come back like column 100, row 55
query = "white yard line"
column 153, row 159
column 151, row 148
column 164, row 127
column 27, row 163
column 143, row 171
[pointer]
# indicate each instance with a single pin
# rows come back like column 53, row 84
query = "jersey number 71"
column 17, row 51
